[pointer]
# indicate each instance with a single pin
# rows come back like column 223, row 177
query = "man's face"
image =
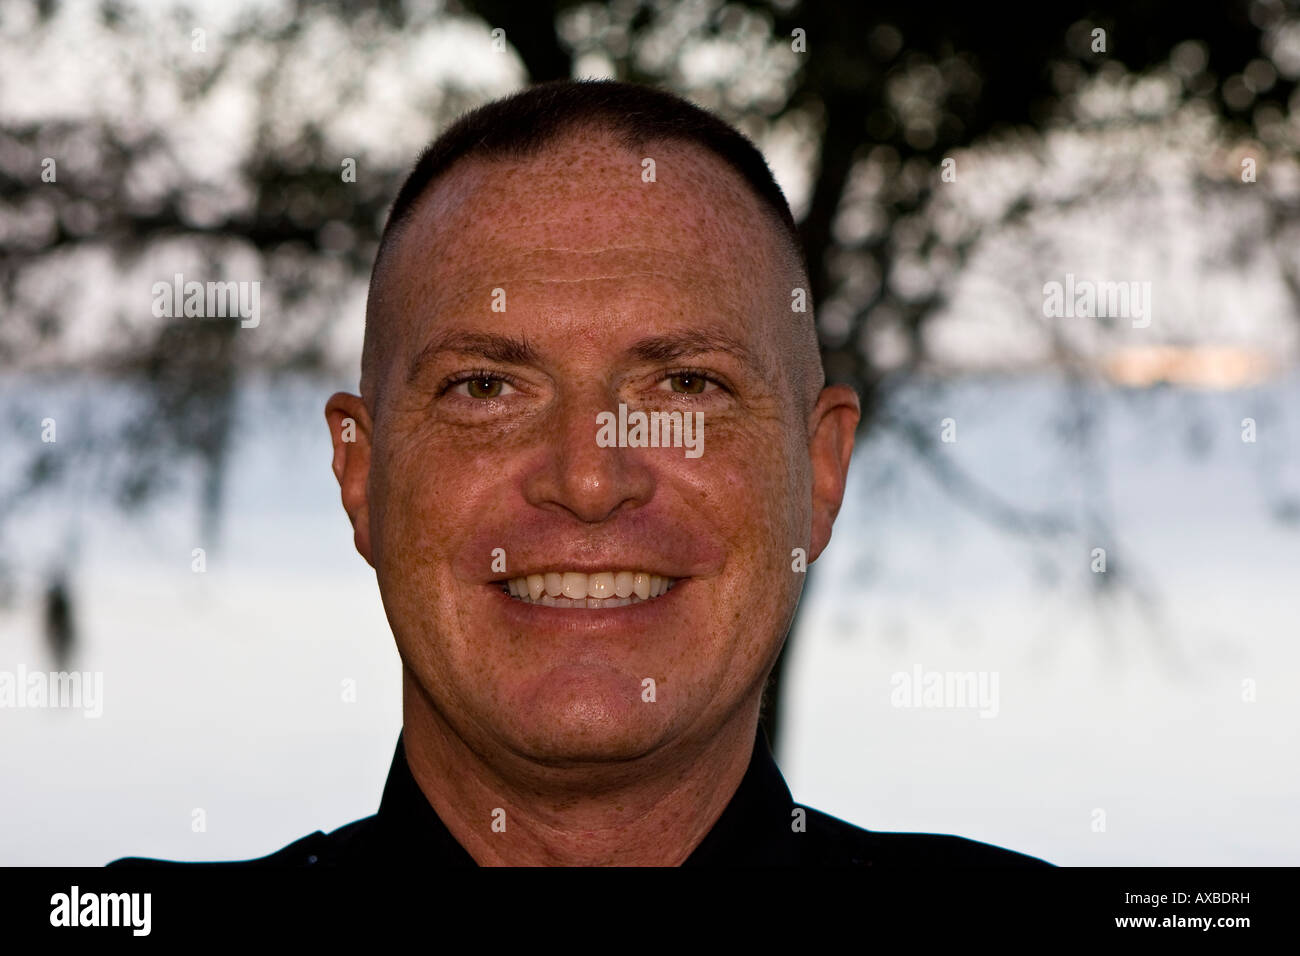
column 523, row 300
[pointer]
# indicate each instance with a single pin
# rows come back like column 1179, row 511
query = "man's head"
column 553, row 256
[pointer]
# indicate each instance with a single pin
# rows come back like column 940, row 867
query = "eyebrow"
column 512, row 350
column 674, row 346
column 492, row 346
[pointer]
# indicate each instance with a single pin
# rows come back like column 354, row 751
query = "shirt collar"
column 755, row 828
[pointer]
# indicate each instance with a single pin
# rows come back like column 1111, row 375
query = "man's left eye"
column 690, row 383
column 484, row 387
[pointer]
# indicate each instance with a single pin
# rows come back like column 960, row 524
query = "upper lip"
column 586, row 567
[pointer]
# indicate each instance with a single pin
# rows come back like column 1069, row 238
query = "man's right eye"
column 482, row 387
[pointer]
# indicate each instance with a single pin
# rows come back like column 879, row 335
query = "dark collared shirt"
column 761, row 826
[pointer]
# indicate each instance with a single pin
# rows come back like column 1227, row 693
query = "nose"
column 578, row 476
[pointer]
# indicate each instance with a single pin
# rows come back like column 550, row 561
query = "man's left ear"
column 833, row 426
column 349, row 422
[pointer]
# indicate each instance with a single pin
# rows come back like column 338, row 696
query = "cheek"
column 425, row 477
column 417, row 505
column 750, row 492
column 761, row 492
column 425, row 504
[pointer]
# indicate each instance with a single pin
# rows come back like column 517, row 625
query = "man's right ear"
column 349, row 422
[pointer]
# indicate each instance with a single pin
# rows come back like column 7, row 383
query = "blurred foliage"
column 886, row 91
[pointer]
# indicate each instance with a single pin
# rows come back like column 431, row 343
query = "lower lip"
column 643, row 615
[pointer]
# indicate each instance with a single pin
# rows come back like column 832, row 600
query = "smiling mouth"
column 604, row 589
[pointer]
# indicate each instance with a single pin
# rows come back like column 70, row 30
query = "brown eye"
column 688, row 383
column 483, row 387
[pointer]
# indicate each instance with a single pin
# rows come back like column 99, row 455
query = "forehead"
column 585, row 220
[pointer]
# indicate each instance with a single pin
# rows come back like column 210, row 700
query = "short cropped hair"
column 519, row 126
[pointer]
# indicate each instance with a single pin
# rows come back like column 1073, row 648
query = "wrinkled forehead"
column 587, row 207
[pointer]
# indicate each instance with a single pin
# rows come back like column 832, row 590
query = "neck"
column 651, row 811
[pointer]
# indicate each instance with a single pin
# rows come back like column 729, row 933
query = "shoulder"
column 835, row 842
column 315, row 849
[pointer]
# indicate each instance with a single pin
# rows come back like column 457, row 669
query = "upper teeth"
column 579, row 586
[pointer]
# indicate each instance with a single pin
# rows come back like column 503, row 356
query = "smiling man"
column 587, row 614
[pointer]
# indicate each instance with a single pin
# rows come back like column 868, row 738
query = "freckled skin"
column 502, row 708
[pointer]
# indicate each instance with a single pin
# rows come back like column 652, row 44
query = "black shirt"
column 759, row 827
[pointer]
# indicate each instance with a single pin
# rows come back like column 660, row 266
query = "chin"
column 585, row 714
